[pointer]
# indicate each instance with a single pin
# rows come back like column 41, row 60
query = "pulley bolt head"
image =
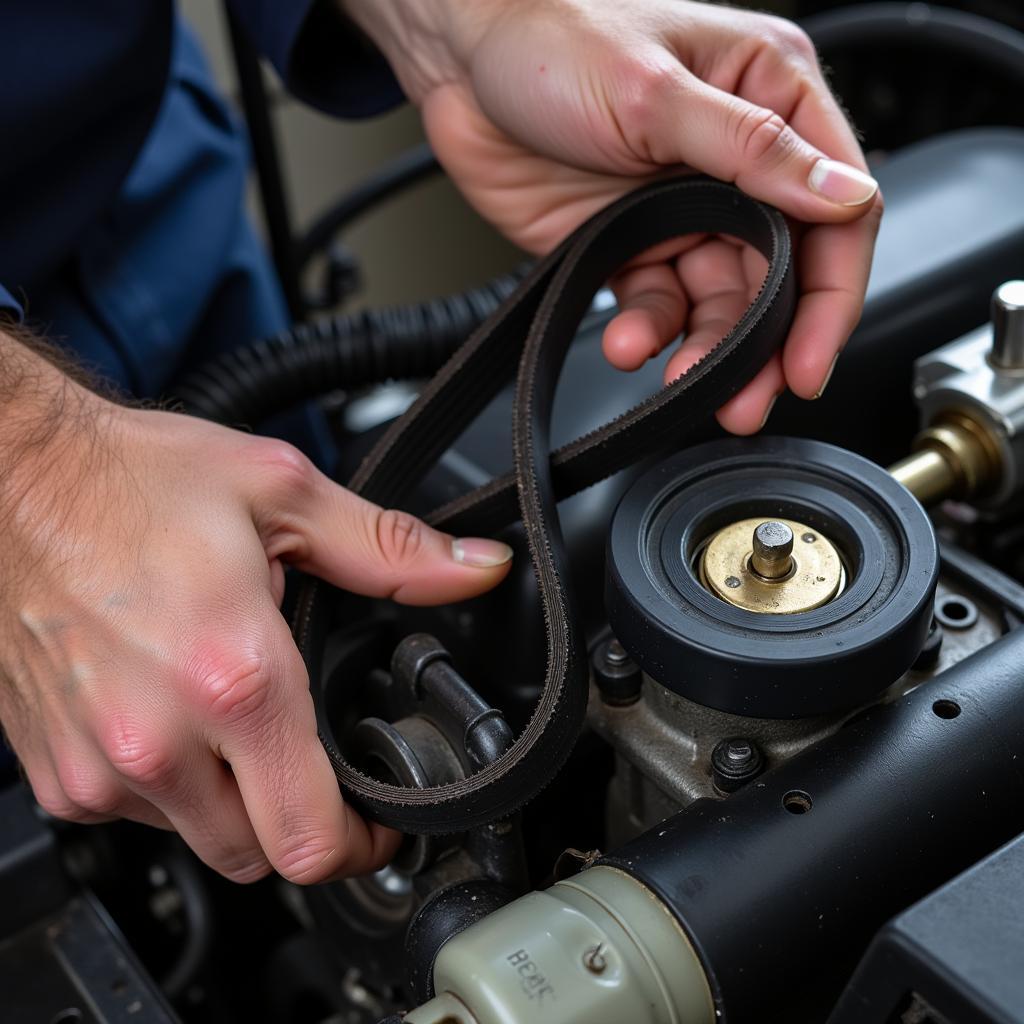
column 735, row 761
column 773, row 550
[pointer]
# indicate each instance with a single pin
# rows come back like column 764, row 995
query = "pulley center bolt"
column 774, row 566
column 772, row 557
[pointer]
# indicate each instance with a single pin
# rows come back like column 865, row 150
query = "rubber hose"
column 999, row 47
column 249, row 384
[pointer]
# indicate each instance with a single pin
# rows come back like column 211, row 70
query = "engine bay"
column 796, row 793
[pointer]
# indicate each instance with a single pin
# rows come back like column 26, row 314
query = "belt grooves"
column 529, row 337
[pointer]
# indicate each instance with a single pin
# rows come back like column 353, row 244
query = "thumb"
column 735, row 140
column 361, row 547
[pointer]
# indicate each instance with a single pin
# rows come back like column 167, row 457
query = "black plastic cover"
column 782, row 886
column 956, row 956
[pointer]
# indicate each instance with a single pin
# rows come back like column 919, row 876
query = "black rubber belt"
column 546, row 311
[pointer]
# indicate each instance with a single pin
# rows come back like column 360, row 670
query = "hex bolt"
column 594, row 960
column 773, row 550
column 617, row 676
column 734, row 762
column 615, row 653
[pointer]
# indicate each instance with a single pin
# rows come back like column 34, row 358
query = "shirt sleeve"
column 8, row 307
column 320, row 55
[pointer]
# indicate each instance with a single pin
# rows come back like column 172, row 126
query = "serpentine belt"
column 546, row 311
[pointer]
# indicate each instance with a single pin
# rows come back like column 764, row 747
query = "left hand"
column 545, row 111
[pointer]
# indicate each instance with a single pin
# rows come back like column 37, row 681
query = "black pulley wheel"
column 827, row 659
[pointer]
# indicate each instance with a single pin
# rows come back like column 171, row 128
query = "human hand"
column 145, row 669
column 545, row 111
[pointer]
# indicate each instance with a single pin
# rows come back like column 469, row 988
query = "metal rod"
column 273, row 198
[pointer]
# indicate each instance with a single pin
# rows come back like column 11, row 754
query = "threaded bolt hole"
column 796, row 801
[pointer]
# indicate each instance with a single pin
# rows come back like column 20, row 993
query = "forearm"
column 49, row 436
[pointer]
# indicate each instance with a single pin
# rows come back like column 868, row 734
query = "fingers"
column 747, row 412
column 772, row 125
column 834, row 268
column 228, row 757
column 721, row 277
column 653, row 310
column 718, row 279
column 259, row 717
column 714, row 277
column 761, row 114
column 170, row 768
column 753, row 146
column 324, row 529
column 680, row 119
column 76, row 785
column 783, row 74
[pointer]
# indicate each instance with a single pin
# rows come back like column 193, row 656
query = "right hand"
column 145, row 669
column 545, row 111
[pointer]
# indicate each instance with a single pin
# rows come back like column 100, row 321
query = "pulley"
column 771, row 577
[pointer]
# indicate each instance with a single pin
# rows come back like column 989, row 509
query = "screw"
column 773, row 550
column 735, row 761
column 617, row 676
column 732, row 582
column 594, row 960
column 808, row 538
column 615, row 653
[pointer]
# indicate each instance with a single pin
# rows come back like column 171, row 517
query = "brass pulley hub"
column 773, row 566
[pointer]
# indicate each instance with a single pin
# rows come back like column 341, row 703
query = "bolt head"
column 617, row 676
column 615, row 653
column 738, row 752
column 773, row 538
column 735, row 761
column 773, row 550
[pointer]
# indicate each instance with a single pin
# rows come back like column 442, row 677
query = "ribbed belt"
column 528, row 338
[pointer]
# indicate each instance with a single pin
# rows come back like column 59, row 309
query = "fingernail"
column 480, row 553
column 768, row 411
column 828, row 377
column 840, row 183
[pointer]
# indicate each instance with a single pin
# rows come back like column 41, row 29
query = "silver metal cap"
column 773, row 548
column 1008, row 326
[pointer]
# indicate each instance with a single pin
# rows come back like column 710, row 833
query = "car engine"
column 796, row 789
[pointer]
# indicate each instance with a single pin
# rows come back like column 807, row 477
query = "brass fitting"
column 955, row 457
column 772, row 566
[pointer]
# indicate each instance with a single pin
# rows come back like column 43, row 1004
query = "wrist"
column 52, row 438
column 426, row 42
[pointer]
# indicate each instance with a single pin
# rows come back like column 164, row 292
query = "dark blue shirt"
column 122, row 175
